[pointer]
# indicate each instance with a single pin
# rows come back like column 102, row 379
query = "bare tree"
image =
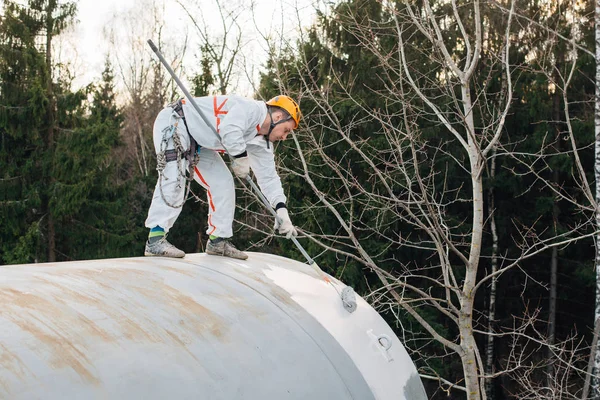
column 490, row 346
column 560, row 68
column 221, row 45
column 418, row 204
column 527, row 359
column 407, row 198
column 146, row 85
column 595, row 354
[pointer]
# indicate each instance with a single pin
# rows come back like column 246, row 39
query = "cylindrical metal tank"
column 202, row 327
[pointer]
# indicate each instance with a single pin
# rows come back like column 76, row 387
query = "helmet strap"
column 273, row 125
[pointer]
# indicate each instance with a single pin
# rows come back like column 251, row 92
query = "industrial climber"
column 186, row 146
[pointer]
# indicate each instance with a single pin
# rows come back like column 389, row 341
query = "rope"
column 170, row 132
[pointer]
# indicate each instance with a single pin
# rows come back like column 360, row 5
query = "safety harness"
column 191, row 154
column 192, row 151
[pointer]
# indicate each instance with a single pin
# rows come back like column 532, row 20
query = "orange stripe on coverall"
column 207, row 187
column 214, row 228
column 218, row 110
column 210, row 199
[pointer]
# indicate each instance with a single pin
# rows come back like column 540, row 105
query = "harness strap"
column 176, row 154
column 191, row 152
column 170, row 155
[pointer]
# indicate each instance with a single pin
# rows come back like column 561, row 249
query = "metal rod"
column 248, row 178
column 268, row 206
column 182, row 87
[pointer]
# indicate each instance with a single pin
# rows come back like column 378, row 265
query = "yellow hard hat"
column 288, row 105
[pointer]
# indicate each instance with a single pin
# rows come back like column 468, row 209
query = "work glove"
column 285, row 226
column 241, row 166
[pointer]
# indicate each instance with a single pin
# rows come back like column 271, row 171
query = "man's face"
column 282, row 130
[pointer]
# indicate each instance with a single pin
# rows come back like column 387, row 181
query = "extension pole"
column 347, row 295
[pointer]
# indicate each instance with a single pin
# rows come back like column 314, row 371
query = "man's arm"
column 262, row 162
column 263, row 165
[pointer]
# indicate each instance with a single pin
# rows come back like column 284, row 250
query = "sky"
column 93, row 15
column 87, row 45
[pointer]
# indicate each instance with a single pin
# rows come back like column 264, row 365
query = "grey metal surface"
column 156, row 328
column 200, row 327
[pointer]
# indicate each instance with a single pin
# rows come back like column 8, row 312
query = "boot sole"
column 161, row 255
column 214, row 253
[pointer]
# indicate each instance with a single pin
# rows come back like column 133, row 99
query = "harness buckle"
column 178, row 107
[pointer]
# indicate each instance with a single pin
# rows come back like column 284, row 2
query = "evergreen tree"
column 62, row 195
column 28, row 125
column 203, row 82
column 90, row 202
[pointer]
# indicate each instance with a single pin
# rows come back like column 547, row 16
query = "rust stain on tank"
column 256, row 276
column 5, row 388
column 199, row 318
column 130, row 323
column 73, row 295
column 63, row 313
column 133, row 331
column 277, row 292
column 182, row 271
column 11, row 363
column 107, row 273
column 267, row 284
column 94, row 330
column 283, row 296
column 21, row 299
column 24, row 309
column 239, row 303
column 61, row 329
column 64, row 353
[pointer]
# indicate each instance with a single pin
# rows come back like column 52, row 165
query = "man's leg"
column 212, row 173
column 167, row 200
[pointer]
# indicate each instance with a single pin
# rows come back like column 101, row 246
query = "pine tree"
column 30, row 121
column 203, row 81
column 90, row 202
column 23, row 126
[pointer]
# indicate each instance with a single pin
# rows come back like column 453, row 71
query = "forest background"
column 445, row 166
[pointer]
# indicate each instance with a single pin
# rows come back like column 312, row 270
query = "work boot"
column 223, row 247
column 163, row 248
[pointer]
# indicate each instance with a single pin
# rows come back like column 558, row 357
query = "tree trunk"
column 590, row 369
column 467, row 343
column 489, row 364
column 595, row 353
column 554, row 257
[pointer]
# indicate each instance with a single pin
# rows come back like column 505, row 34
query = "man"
column 247, row 128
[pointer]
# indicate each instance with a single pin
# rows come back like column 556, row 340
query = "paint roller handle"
column 184, row 90
column 153, row 46
column 268, row 206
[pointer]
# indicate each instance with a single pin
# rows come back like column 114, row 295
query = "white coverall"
column 237, row 120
